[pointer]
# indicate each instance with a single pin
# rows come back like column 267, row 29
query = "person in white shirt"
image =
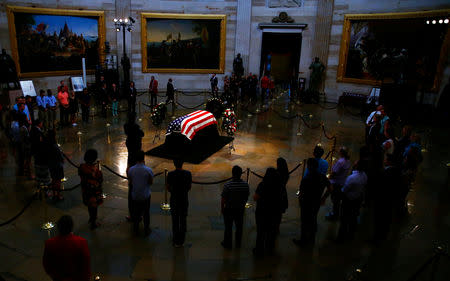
column 352, row 198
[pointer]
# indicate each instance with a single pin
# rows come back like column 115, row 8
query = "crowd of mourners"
column 379, row 180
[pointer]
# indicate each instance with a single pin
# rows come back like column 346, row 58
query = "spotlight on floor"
column 165, row 206
column 97, row 278
column 319, row 144
column 299, row 133
column 48, row 225
column 269, row 125
column 64, row 179
column 339, row 122
column 248, row 205
column 311, row 116
column 140, row 119
column 424, row 150
column 249, row 115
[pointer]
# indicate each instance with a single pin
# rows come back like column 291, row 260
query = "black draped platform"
column 204, row 144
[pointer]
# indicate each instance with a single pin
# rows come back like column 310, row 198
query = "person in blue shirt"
column 51, row 103
column 322, row 166
column 42, row 109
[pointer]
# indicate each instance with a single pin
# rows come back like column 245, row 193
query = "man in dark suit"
column 153, row 90
column 66, row 256
column 179, row 183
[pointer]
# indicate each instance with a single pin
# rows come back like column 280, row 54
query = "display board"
column 28, row 88
column 77, row 84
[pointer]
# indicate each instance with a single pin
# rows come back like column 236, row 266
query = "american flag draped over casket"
column 190, row 124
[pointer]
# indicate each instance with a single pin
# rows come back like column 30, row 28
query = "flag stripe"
column 191, row 123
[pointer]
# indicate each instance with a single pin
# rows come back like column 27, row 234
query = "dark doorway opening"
column 280, row 55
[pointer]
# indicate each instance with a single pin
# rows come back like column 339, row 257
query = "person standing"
column 170, row 91
column 42, row 109
column 85, row 101
column 264, row 87
column 131, row 95
column 51, row 104
column 153, row 91
column 133, row 144
column 91, row 185
column 141, row 178
column 234, row 197
column 39, row 150
column 322, row 167
column 73, row 108
column 24, row 147
column 352, row 198
column 63, row 99
column 55, row 165
column 114, row 95
column 66, row 256
column 268, row 197
column 311, row 190
column 339, row 173
column 214, row 82
column 179, row 184
column 104, row 99
column 385, row 197
column 283, row 171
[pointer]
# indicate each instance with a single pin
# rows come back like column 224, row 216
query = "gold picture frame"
column 159, row 21
column 350, row 19
column 84, row 18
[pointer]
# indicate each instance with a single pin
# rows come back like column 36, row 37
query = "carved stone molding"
column 284, row 3
column 283, row 18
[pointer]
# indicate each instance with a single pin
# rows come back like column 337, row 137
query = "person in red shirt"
column 264, row 86
column 153, row 90
column 66, row 256
column 63, row 99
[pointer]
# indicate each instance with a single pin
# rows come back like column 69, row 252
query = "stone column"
column 123, row 11
column 322, row 31
column 243, row 25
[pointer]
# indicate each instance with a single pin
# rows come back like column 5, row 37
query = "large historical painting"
column 394, row 48
column 183, row 43
column 53, row 42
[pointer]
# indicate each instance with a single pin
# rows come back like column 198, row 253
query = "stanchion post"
column 248, row 205
column 47, row 225
column 107, row 132
column 303, row 173
column 165, row 206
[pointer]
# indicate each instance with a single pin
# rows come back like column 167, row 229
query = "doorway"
column 280, row 55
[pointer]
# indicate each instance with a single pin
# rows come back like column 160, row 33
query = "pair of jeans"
column 231, row 216
column 141, row 208
column 114, row 107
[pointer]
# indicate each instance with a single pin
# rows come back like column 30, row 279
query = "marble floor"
column 119, row 255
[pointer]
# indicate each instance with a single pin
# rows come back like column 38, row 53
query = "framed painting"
column 183, row 43
column 395, row 48
column 51, row 42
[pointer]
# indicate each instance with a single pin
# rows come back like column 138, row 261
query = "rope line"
column 259, row 176
column 296, row 167
column 190, row 95
column 70, row 161
column 190, row 107
column 114, row 172
column 21, row 211
column 284, row 117
column 210, row 183
column 326, row 135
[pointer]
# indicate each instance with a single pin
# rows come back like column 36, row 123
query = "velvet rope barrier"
column 70, row 161
column 21, row 211
column 210, row 183
column 191, row 107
